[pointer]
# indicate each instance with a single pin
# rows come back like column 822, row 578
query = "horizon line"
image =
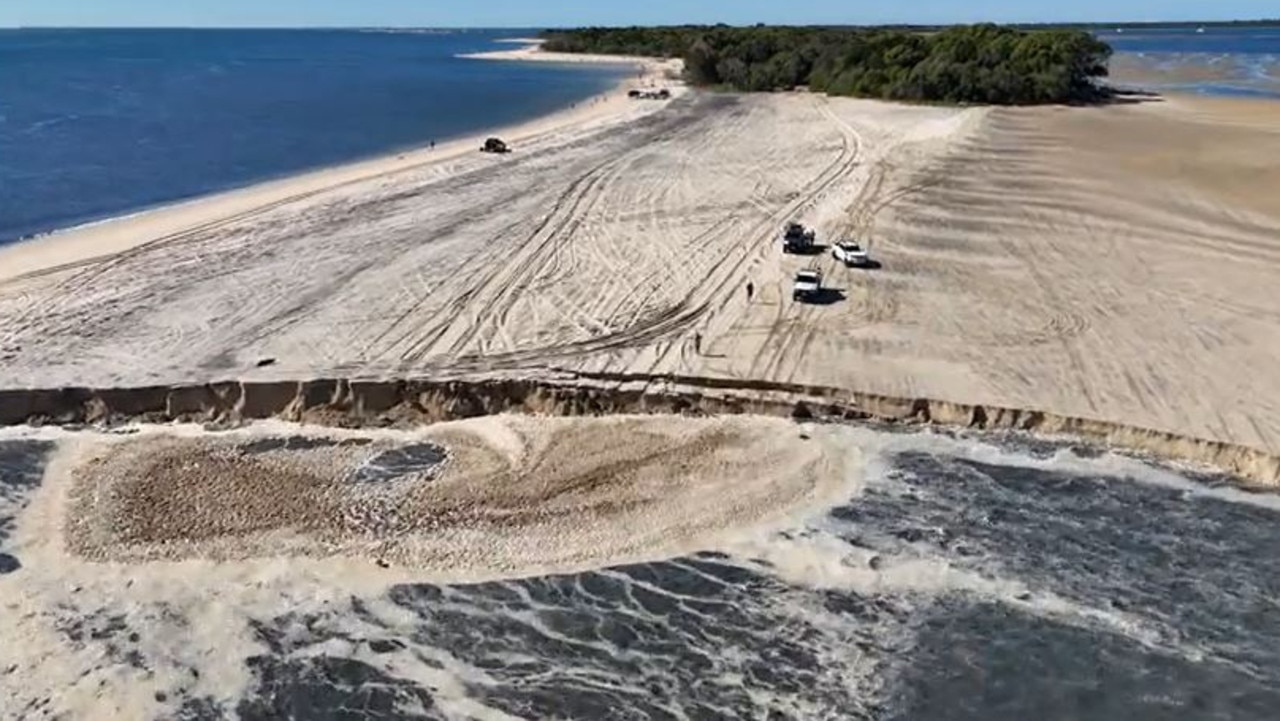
column 1262, row 20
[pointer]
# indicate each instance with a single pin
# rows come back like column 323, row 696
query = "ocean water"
column 1240, row 62
column 96, row 123
column 966, row 579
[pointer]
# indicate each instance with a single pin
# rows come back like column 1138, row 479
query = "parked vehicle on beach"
column 638, row 94
column 495, row 145
column 851, row 254
column 797, row 239
column 807, row 285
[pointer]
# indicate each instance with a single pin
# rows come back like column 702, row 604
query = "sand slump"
column 346, row 403
column 499, row 496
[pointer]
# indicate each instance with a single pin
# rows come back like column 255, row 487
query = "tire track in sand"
column 789, row 319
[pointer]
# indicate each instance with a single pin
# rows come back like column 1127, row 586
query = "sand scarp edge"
column 350, row 403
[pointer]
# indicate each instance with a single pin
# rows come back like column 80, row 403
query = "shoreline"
column 621, row 249
column 1191, row 75
column 86, row 242
column 532, row 52
column 34, row 254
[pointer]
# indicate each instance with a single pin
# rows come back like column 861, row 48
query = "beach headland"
column 463, row 435
column 532, row 50
column 686, row 197
column 619, row 239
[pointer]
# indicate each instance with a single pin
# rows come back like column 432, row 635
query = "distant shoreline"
column 1266, row 22
column 532, row 52
column 76, row 223
column 92, row 239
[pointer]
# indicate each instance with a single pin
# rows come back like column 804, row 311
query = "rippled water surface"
column 1243, row 62
column 965, row 581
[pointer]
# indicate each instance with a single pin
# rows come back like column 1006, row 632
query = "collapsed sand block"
column 201, row 402
column 147, row 402
column 1010, row 419
column 957, row 414
column 372, row 397
column 58, row 405
column 445, row 401
column 265, row 400
column 341, row 398
column 317, row 393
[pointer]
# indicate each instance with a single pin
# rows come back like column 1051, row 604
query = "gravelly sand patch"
column 506, row 491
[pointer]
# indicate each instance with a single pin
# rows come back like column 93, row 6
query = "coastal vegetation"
column 966, row 64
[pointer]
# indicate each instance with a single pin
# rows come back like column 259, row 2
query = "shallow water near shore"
column 99, row 123
column 955, row 578
column 1226, row 62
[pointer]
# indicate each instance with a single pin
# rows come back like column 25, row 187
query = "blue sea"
column 97, row 123
column 1243, row 61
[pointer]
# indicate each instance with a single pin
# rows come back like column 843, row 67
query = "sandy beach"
column 531, row 51
column 1106, row 262
column 105, row 238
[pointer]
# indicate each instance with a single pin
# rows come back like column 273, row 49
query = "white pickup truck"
column 851, row 254
column 807, row 285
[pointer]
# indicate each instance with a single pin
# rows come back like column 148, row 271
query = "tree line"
column 992, row 64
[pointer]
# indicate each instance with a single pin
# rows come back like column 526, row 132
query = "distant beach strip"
column 101, row 123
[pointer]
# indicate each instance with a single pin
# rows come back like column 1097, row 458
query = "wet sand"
column 474, row 500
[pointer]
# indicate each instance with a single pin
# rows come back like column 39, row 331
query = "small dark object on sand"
column 266, row 362
column 495, row 145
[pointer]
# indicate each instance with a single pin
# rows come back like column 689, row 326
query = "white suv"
column 807, row 285
column 851, row 254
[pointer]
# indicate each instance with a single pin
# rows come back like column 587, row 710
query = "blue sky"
column 546, row 13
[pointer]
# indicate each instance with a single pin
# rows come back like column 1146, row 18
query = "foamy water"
column 942, row 578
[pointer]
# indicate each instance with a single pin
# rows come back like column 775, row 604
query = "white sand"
column 532, row 52
column 1111, row 263
column 74, row 248
column 602, row 240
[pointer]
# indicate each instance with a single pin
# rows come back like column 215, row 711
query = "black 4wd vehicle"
column 494, row 145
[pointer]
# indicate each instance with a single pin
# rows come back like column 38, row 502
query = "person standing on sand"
column 697, row 343
column 751, row 290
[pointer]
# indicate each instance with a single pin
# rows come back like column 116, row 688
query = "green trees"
column 965, row 64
